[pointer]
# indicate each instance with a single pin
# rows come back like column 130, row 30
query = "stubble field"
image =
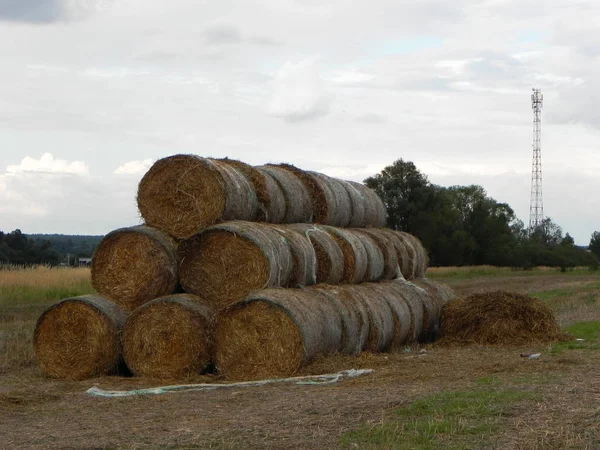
column 426, row 397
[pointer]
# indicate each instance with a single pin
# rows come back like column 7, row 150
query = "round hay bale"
column 411, row 260
column 274, row 333
column 375, row 259
column 298, row 204
column 303, row 254
column 355, row 255
column 421, row 258
column 401, row 312
column 183, row 194
column 135, row 265
column 354, row 315
column 271, row 202
column 432, row 312
column 381, row 318
column 79, row 338
column 375, row 213
column 228, row 261
column 391, row 268
column 499, row 318
column 399, row 247
column 441, row 293
column 357, row 202
column 330, row 201
column 169, row 337
column 330, row 259
column 415, row 306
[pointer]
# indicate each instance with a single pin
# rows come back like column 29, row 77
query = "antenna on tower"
column 536, row 205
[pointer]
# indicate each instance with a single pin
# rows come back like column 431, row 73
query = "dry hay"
column 498, row 318
column 79, row 338
column 375, row 258
column 183, row 194
column 228, row 261
column 274, row 333
column 440, row 292
column 375, row 214
column 355, row 317
column 400, row 309
column 415, row 306
column 135, row 265
column 410, row 263
column 271, row 200
column 381, row 318
column 384, row 241
column 303, row 254
column 404, row 261
column 330, row 259
column 358, row 204
column 169, row 337
column 355, row 254
column 298, row 203
column 432, row 312
column 421, row 258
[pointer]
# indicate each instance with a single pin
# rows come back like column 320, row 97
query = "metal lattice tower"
column 536, row 205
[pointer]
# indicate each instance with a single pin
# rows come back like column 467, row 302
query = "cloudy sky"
column 93, row 91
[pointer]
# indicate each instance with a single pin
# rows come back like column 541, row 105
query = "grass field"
column 444, row 397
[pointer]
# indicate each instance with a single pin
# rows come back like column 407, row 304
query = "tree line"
column 462, row 225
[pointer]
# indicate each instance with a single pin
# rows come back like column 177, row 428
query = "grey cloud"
column 32, row 11
column 225, row 34
column 371, row 118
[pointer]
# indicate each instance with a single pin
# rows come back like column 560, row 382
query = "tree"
column 568, row 241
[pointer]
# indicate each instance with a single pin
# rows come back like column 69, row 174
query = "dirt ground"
column 37, row 413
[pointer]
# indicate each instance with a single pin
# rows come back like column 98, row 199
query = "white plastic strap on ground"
column 330, row 378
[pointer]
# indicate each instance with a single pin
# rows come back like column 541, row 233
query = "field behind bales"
column 424, row 397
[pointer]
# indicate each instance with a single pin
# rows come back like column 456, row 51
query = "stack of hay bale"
column 256, row 270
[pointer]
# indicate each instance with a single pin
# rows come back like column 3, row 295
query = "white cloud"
column 47, row 164
column 299, row 92
column 133, row 167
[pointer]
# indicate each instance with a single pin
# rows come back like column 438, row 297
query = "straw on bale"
column 330, row 200
column 135, row 265
column 375, row 259
column 79, row 338
column 421, row 259
column 440, row 292
column 499, row 318
column 401, row 312
column 375, row 214
column 303, row 254
column 274, row 333
column 169, row 337
column 355, row 317
column 298, row 204
column 401, row 253
column 358, row 204
column 432, row 311
column 330, row 259
column 381, row 318
column 415, row 306
column 183, row 194
column 391, row 269
column 355, row 255
column 228, row 261
column 271, row 201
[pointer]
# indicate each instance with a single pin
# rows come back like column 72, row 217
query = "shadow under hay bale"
column 135, row 265
column 298, row 204
column 183, row 194
column 274, row 333
column 303, row 255
column 498, row 318
column 355, row 255
column 169, row 337
column 227, row 262
column 330, row 259
column 391, row 268
column 79, row 338
column 271, row 200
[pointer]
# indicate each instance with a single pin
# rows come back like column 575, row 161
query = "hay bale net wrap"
column 169, row 337
column 274, row 333
column 499, row 318
column 421, row 258
column 298, row 203
column 391, row 268
column 79, row 338
column 381, row 319
column 183, row 194
column 330, row 259
column 303, row 254
column 415, row 306
column 271, row 201
column 401, row 312
column 355, row 316
column 375, row 214
column 407, row 252
column 227, row 262
column 355, row 255
column 135, row 265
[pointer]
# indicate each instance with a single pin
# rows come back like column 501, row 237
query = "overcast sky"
column 93, row 91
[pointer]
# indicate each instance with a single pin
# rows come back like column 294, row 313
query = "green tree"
column 594, row 246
